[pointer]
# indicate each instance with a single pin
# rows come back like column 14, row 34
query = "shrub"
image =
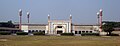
column 22, row 33
column 90, row 34
column 39, row 33
column 5, row 33
column 67, row 34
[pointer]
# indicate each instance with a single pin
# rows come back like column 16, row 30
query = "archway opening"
column 59, row 29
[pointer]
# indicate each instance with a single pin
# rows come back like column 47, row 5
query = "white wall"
column 24, row 28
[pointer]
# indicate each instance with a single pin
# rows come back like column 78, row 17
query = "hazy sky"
column 83, row 11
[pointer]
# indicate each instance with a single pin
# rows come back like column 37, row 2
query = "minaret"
column 98, row 17
column 101, row 20
column 98, row 20
column 48, row 24
column 28, row 16
column 20, row 22
column 70, row 23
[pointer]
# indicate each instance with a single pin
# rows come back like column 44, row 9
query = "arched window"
column 29, row 31
column 36, row 30
column 39, row 30
column 86, row 31
column 83, row 31
column 32, row 30
column 75, row 32
column 90, row 31
column 59, row 26
column 79, row 32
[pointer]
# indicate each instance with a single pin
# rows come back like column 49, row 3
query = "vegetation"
column 5, row 33
column 39, row 33
column 67, row 34
column 112, row 34
column 114, row 24
column 22, row 33
column 59, row 41
column 90, row 34
column 7, row 24
column 109, row 26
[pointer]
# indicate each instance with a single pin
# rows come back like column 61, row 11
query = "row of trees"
column 7, row 24
column 109, row 26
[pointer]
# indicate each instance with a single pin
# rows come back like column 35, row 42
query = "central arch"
column 59, row 29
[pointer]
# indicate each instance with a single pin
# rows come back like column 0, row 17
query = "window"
column 75, row 32
column 39, row 30
column 79, row 32
column 86, row 31
column 36, row 30
column 32, row 30
column 59, row 26
column 83, row 31
column 29, row 31
column 90, row 31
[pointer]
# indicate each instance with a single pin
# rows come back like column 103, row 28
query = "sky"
column 82, row 11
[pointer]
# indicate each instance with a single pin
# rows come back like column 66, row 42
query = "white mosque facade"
column 60, row 26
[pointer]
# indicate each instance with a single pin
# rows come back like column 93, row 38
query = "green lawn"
column 59, row 41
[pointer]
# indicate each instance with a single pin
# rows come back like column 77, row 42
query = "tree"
column 108, row 27
column 7, row 24
column 10, row 24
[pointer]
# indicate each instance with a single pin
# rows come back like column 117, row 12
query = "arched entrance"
column 59, row 29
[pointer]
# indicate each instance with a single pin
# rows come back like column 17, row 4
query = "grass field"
column 59, row 41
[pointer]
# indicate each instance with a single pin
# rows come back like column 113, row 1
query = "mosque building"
column 60, row 26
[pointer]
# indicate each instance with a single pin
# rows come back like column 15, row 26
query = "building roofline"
column 85, row 24
column 72, row 24
column 34, row 24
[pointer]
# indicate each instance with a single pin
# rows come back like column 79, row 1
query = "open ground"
column 59, row 40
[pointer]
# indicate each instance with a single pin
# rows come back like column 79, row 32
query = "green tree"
column 108, row 27
column 10, row 24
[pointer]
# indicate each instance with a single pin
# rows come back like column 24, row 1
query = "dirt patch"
column 3, row 40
